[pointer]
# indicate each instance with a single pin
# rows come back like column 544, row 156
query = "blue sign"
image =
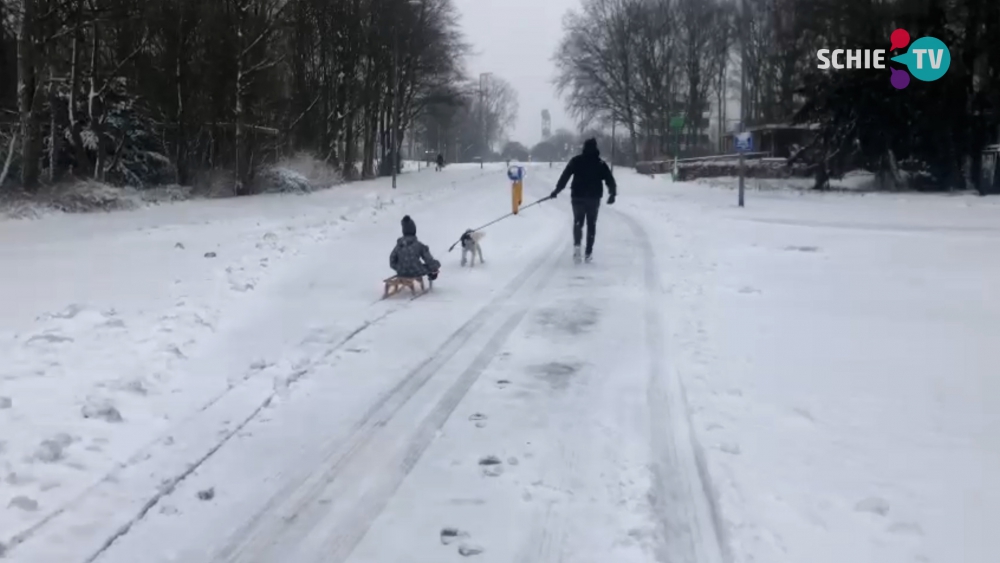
column 515, row 173
column 743, row 142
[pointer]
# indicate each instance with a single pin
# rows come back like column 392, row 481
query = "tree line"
column 472, row 122
column 141, row 92
column 654, row 67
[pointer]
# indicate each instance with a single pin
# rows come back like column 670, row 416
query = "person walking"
column 589, row 174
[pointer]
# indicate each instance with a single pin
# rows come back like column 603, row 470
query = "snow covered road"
column 768, row 384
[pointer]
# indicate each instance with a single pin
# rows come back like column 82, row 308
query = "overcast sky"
column 515, row 39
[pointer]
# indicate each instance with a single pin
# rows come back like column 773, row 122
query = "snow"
column 839, row 361
column 806, row 379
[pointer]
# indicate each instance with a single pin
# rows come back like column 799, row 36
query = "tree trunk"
column 55, row 128
column 82, row 161
column 26, row 89
column 180, row 144
column 96, row 113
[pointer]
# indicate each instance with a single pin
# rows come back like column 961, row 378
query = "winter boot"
column 576, row 254
column 588, row 258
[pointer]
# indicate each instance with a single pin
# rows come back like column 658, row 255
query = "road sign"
column 515, row 173
column 743, row 142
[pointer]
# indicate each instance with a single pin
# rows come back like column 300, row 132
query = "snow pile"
column 281, row 180
column 305, row 172
column 753, row 168
column 87, row 197
column 79, row 197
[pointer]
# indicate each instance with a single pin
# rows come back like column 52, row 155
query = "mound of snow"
column 282, row 180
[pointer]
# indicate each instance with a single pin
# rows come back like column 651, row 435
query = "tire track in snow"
column 167, row 487
column 299, row 497
column 683, row 496
column 339, row 547
column 381, row 310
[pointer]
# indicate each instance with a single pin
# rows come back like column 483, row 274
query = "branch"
column 119, row 66
column 10, row 157
column 268, row 30
column 304, row 113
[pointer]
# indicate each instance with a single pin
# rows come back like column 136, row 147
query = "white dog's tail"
column 477, row 235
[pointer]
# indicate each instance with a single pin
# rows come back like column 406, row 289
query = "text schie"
column 855, row 58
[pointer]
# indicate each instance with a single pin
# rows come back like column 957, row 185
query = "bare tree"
column 499, row 107
column 596, row 63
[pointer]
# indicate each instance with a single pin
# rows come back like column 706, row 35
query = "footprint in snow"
column 906, row 528
column 102, row 409
column 24, row 503
column 477, row 416
column 53, row 449
column 730, row 448
column 804, row 413
column 491, row 466
column 467, row 550
column 71, row 311
column 502, row 383
column 450, row 535
column 874, row 505
column 48, row 337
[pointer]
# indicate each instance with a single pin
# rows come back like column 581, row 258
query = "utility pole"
column 482, row 109
column 743, row 91
column 395, row 99
column 613, row 145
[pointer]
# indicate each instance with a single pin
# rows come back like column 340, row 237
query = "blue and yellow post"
column 516, row 175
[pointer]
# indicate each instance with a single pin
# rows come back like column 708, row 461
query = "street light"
column 394, row 133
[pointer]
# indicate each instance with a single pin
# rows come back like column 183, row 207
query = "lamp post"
column 394, row 132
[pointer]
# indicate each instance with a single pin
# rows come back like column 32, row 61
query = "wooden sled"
column 396, row 284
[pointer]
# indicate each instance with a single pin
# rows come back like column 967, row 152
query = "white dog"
column 470, row 245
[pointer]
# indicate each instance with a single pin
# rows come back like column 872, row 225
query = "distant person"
column 589, row 173
column 440, row 162
column 411, row 258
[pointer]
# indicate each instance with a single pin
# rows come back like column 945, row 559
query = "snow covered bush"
column 300, row 173
column 91, row 196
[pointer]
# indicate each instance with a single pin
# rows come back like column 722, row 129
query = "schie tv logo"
column 927, row 59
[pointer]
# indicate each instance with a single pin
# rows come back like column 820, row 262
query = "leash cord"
column 500, row 219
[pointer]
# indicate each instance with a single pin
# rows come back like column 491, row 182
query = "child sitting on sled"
column 411, row 258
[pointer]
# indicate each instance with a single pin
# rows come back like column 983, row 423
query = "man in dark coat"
column 589, row 174
column 411, row 258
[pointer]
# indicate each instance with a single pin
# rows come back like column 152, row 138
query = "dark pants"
column 585, row 210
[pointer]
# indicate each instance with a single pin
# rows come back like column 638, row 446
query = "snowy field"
column 809, row 379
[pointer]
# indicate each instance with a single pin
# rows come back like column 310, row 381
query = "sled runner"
column 396, row 284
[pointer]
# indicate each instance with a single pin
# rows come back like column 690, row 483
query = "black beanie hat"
column 409, row 227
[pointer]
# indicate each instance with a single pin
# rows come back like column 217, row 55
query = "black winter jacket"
column 589, row 173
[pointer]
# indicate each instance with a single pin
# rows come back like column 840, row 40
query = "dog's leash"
column 452, row 247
